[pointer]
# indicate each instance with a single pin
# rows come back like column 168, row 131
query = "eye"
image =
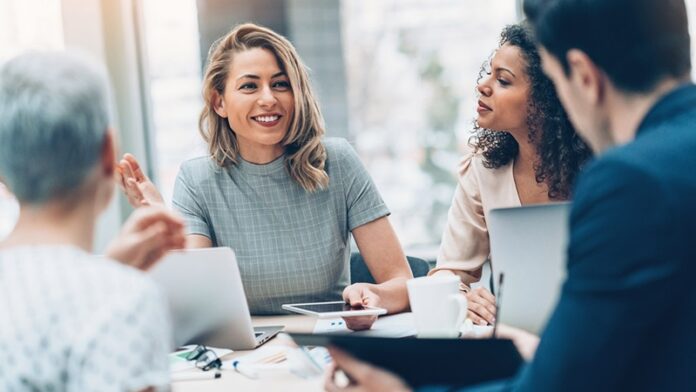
column 247, row 86
column 503, row 82
column 281, row 85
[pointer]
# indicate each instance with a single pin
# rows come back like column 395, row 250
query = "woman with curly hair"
column 524, row 151
column 274, row 190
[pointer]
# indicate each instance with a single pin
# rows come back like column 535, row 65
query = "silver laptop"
column 207, row 299
column 529, row 245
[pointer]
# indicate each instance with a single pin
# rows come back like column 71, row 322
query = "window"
column 25, row 25
column 171, row 33
column 411, row 74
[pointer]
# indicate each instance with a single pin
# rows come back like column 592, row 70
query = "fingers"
column 336, row 380
column 485, row 294
column 359, row 323
column 353, row 295
column 118, row 176
column 481, row 306
column 134, row 167
column 356, row 370
column 484, row 315
column 134, row 193
column 151, row 245
column 329, row 383
column 476, row 319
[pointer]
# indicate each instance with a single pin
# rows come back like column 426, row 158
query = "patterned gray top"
column 70, row 321
column 291, row 245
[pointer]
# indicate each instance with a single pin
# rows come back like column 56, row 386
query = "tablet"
column 333, row 309
column 428, row 362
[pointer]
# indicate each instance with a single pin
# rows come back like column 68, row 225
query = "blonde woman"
column 274, row 190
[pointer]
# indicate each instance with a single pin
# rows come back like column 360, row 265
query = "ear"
column 219, row 105
column 108, row 153
column 587, row 77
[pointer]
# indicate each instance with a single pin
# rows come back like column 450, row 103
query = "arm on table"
column 384, row 257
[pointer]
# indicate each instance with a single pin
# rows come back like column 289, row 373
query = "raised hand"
column 136, row 186
column 146, row 236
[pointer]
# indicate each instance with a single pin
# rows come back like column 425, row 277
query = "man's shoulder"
column 103, row 283
column 662, row 157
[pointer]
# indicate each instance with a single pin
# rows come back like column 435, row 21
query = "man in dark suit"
column 626, row 319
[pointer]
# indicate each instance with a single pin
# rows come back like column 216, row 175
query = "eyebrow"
column 256, row 77
column 498, row 69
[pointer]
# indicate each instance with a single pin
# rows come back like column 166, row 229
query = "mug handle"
column 462, row 306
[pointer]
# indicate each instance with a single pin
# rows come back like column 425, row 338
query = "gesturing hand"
column 146, row 236
column 136, row 186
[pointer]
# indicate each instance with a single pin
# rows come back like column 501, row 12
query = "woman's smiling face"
column 258, row 103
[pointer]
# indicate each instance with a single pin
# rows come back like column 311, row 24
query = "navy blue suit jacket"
column 626, row 318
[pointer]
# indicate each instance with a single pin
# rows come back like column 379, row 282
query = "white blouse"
column 465, row 245
column 70, row 321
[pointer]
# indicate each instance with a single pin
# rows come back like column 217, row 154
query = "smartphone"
column 333, row 309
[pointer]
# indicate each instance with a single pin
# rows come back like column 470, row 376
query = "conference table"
column 275, row 381
column 283, row 380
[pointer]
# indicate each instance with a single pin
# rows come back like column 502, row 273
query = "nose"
column 266, row 97
column 483, row 88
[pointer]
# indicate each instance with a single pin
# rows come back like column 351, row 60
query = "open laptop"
column 207, row 299
column 529, row 245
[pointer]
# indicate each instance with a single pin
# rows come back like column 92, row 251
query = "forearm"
column 393, row 294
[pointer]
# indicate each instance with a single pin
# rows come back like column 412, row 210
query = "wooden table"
column 280, row 381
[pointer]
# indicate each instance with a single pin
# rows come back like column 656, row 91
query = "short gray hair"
column 54, row 116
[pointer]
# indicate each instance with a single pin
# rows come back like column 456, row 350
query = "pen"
column 196, row 376
column 497, row 303
column 244, row 369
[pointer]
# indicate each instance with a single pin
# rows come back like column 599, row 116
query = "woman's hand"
column 360, row 294
column 481, row 306
column 137, row 187
column 146, row 236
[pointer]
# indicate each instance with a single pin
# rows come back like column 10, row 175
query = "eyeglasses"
column 205, row 358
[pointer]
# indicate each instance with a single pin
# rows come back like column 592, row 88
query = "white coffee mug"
column 438, row 307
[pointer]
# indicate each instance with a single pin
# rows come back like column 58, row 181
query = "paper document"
column 393, row 326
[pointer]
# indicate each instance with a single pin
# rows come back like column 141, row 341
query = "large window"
column 25, row 25
column 171, row 31
column 410, row 72
column 412, row 68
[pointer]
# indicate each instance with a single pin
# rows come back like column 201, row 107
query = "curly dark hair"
column 561, row 152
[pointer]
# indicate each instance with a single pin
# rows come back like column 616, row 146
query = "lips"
column 483, row 107
column 267, row 119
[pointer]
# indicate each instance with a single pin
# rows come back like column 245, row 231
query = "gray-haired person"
column 71, row 321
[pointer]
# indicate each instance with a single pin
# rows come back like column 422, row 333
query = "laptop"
column 207, row 300
column 529, row 245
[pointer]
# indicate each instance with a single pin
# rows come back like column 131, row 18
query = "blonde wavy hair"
column 305, row 155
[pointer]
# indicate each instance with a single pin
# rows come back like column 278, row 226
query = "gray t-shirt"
column 291, row 245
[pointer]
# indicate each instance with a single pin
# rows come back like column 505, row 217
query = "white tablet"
column 333, row 309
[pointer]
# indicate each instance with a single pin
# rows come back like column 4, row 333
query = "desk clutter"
column 197, row 362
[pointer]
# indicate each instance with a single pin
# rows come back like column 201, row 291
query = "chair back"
column 359, row 273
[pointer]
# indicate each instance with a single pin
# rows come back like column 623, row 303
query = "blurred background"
column 394, row 77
